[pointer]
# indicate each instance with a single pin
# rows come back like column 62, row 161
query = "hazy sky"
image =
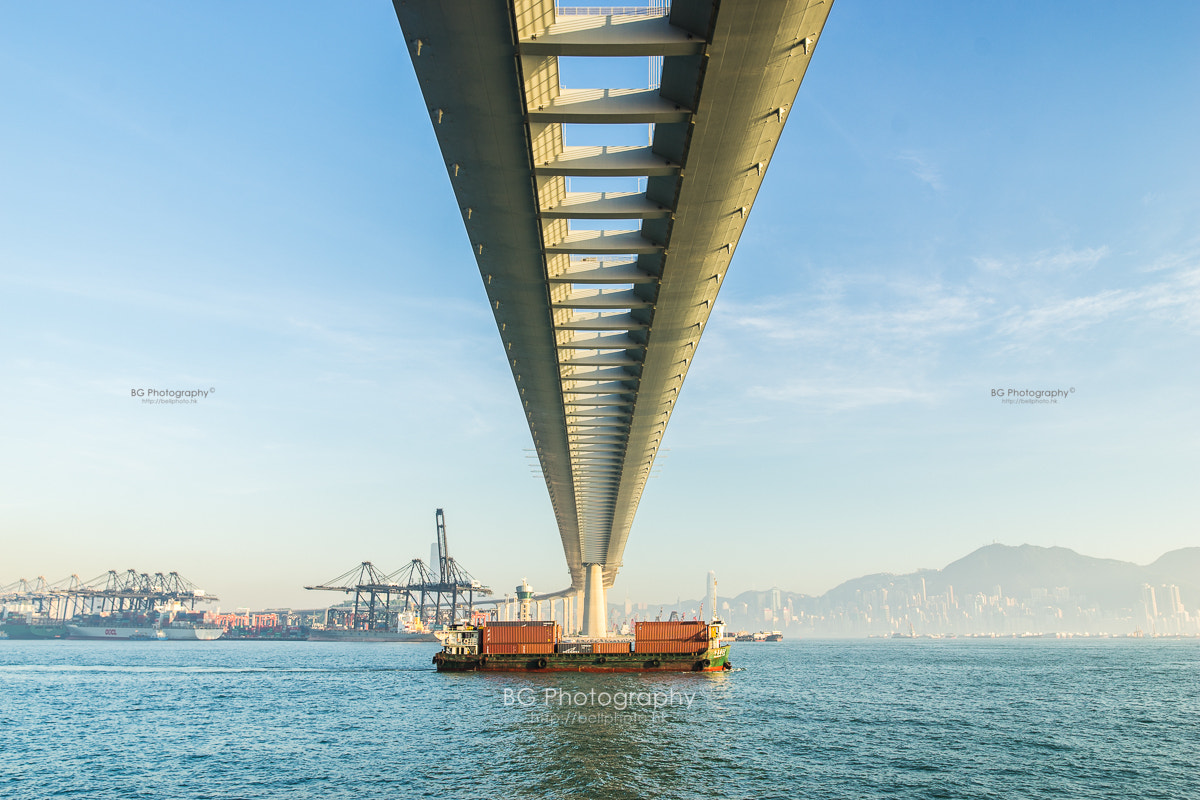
column 248, row 197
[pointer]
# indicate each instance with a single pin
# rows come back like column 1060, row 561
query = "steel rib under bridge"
column 600, row 326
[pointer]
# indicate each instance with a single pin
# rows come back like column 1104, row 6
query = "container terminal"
column 406, row 605
column 438, row 602
column 114, row 606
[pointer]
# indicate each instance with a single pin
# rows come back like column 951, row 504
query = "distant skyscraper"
column 435, row 566
column 1172, row 600
column 1150, row 602
column 711, row 602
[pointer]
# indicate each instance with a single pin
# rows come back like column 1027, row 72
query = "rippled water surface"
column 865, row 719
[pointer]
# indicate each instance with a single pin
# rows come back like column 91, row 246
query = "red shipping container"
column 535, row 649
column 610, row 648
column 500, row 649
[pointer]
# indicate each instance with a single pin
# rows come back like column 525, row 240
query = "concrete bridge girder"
column 491, row 80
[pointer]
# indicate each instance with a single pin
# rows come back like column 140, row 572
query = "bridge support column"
column 595, row 607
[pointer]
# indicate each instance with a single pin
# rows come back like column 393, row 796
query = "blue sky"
column 221, row 195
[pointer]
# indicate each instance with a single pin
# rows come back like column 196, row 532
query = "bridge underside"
column 600, row 326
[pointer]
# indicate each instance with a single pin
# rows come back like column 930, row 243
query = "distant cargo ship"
column 190, row 626
column 537, row 646
column 116, row 629
column 336, row 635
column 176, row 626
column 192, row 631
column 18, row 626
column 761, row 636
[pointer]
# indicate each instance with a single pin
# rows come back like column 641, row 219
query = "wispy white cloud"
column 878, row 340
column 924, row 170
column 1173, row 299
column 1060, row 260
column 895, row 313
column 839, row 395
column 1066, row 316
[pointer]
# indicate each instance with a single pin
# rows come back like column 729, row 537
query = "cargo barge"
column 537, row 646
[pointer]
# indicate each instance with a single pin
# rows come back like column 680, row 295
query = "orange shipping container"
column 524, row 635
column 694, row 630
column 610, row 648
column 520, row 634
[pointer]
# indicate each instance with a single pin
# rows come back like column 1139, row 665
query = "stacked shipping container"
column 519, row 638
column 671, row 637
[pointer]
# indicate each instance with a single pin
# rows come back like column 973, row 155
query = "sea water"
column 797, row 719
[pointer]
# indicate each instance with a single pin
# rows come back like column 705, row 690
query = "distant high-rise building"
column 1150, row 602
column 711, row 602
column 1172, row 601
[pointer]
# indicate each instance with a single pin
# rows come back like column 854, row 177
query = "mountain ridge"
column 1018, row 570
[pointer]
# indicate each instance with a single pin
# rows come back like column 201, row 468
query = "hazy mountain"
column 1180, row 567
column 1017, row 571
column 1112, row 586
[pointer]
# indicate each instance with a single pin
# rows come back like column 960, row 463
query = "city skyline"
column 252, row 205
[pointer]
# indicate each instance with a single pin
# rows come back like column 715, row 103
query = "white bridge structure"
column 600, row 326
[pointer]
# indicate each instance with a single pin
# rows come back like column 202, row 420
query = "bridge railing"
column 653, row 10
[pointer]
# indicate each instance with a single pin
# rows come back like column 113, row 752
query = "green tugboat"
column 536, row 646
